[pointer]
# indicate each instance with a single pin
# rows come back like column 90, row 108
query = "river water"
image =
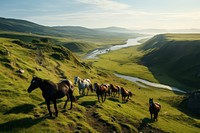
column 129, row 42
column 138, row 81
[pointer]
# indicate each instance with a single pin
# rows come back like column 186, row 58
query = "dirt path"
column 95, row 122
column 60, row 72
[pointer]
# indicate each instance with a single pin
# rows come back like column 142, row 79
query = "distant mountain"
column 16, row 25
column 116, row 29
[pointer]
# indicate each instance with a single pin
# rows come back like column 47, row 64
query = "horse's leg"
column 156, row 116
column 87, row 90
column 48, row 106
column 83, row 91
column 79, row 91
column 127, row 98
column 98, row 98
column 55, row 107
column 71, row 99
column 105, row 96
column 151, row 115
column 102, row 97
column 66, row 101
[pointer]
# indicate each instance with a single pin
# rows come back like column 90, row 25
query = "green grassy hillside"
column 24, row 112
column 171, row 59
column 175, row 55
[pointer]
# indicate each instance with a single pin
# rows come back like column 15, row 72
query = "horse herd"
column 52, row 91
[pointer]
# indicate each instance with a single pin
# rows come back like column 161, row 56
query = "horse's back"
column 68, row 83
column 158, row 105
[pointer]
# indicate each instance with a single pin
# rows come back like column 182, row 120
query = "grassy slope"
column 170, row 59
column 23, row 112
column 174, row 55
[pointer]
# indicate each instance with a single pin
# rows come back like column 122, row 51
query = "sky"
column 134, row 14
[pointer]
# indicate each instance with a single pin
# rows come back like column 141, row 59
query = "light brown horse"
column 101, row 90
column 125, row 93
column 114, row 90
column 154, row 108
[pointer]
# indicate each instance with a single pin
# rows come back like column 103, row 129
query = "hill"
column 175, row 55
column 77, row 32
column 24, row 112
column 69, row 36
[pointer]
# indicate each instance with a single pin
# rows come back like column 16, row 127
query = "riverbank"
column 126, row 61
column 104, row 50
column 142, row 83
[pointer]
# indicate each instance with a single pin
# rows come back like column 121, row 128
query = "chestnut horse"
column 101, row 90
column 52, row 91
column 114, row 90
column 125, row 93
column 154, row 108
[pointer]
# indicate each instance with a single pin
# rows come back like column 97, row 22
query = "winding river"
column 140, row 82
column 129, row 42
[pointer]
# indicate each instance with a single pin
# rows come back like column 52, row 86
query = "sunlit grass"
column 24, row 112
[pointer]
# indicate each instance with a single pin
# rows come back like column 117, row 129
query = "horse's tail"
column 74, row 99
column 130, row 93
column 91, row 88
column 158, row 104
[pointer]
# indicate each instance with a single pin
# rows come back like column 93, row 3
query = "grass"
column 124, row 61
column 24, row 112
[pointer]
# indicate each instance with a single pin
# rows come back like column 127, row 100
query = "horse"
column 125, row 93
column 114, row 90
column 154, row 108
column 52, row 91
column 101, row 90
column 82, row 84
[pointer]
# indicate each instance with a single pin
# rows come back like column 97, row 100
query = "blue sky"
column 135, row 14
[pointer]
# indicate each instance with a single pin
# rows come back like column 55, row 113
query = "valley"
column 58, row 56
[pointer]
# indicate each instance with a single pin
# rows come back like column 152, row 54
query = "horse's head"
column 150, row 101
column 95, row 86
column 76, row 80
column 35, row 83
column 121, row 90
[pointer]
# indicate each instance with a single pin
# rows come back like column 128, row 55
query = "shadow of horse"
column 113, row 99
column 25, row 108
column 144, row 123
column 19, row 124
column 88, row 103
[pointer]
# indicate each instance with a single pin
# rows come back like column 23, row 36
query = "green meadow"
column 24, row 112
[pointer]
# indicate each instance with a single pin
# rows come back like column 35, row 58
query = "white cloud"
column 124, row 18
column 105, row 4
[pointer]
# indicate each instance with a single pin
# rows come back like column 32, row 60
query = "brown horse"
column 114, row 90
column 125, row 93
column 154, row 108
column 52, row 91
column 101, row 90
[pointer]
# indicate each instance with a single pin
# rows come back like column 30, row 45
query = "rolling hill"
column 77, row 32
column 176, row 55
column 24, row 55
column 24, row 112
column 69, row 36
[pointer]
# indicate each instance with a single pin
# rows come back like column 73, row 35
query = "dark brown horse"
column 114, row 90
column 154, row 108
column 52, row 91
column 101, row 90
column 125, row 93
